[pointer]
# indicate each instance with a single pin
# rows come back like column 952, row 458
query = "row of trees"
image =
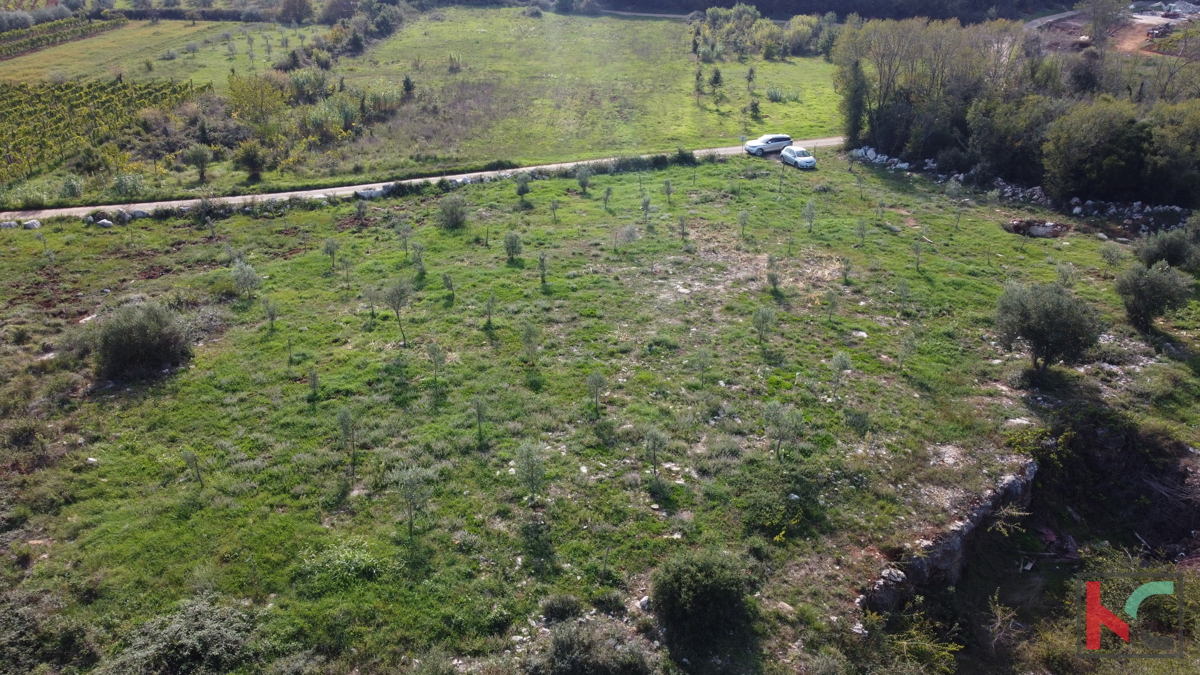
column 989, row 98
column 742, row 30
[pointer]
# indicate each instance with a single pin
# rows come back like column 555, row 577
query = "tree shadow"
column 537, row 542
column 516, row 263
column 534, row 379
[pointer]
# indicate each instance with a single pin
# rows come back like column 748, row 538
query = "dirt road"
column 349, row 190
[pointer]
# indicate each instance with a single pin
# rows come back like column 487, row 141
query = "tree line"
column 991, row 101
column 967, row 10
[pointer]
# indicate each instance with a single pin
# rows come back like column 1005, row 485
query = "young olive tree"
column 331, row 249
column 764, row 321
column 543, row 266
column 512, row 245
column 596, row 386
column 838, row 366
column 448, row 284
column 656, row 443
column 583, row 176
column 783, row 424
column 831, row 302
column 397, row 296
column 418, row 259
column 810, row 214
column 607, row 196
column 522, row 186
column 272, row 312
column 415, row 486
column 404, row 231
column 245, row 279
column 530, row 468
column 530, row 335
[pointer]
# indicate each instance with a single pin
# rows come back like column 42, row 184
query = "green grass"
column 128, row 49
column 555, row 87
column 532, row 91
column 136, row 531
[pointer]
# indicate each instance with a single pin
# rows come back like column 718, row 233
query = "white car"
column 798, row 157
column 768, row 143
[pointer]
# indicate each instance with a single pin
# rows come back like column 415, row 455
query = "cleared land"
column 327, row 563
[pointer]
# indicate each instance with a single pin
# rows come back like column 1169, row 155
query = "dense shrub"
column 1173, row 247
column 200, row 638
column 561, row 607
column 452, row 212
column 1149, row 292
column 1056, row 325
column 701, row 600
column 137, row 339
column 591, row 650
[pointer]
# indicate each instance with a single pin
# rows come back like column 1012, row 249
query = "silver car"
column 798, row 157
column 768, row 143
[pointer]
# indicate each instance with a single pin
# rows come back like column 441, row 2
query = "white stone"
column 32, row 224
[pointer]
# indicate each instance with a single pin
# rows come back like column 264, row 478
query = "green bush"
column 1173, row 247
column 561, row 607
column 701, row 599
column 1056, row 325
column 200, row 638
column 588, row 650
column 1148, row 293
column 139, row 339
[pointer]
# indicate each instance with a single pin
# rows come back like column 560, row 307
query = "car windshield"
column 765, row 139
column 802, row 153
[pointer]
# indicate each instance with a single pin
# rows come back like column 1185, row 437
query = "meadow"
column 886, row 350
column 127, row 51
column 522, row 89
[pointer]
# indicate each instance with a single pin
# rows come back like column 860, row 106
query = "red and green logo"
column 1147, row 624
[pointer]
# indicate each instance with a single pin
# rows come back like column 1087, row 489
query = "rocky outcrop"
column 942, row 560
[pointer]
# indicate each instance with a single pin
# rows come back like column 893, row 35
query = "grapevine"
column 19, row 44
column 44, row 124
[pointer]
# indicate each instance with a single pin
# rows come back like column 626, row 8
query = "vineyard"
column 48, row 123
column 16, row 42
column 22, row 5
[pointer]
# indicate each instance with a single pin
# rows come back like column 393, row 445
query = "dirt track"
column 349, row 190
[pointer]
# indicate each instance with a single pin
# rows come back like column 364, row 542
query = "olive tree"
column 199, row 156
column 397, row 296
column 522, row 182
column 245, row 279
column 530, row 468
column 583, row 176
column 331, row 249
column 479, row 406
column 783, row 424
column 415, row 486
column 656, row 443
column 595, row 387
column 512, row 245
column 1053, row 323
column 764, row 321
column 1148, row 293
column 452, row 212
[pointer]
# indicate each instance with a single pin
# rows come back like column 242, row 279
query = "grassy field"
column 542, row 89
column 326, row 563
column 530, row 90
column 127, row 50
